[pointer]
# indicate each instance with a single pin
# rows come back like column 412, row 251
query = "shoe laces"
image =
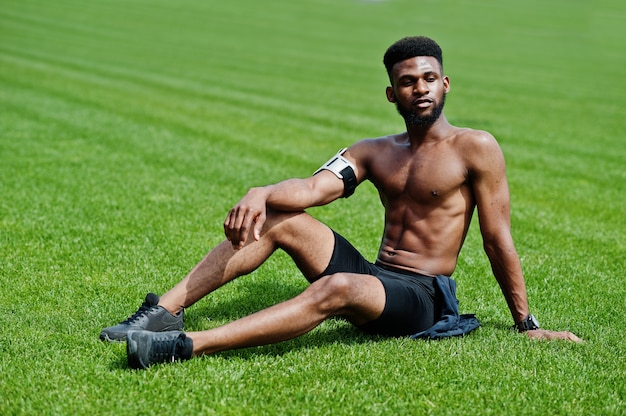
column 143, row 309
column 165, row 348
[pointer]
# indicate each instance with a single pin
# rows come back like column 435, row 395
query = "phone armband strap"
column 343, row 169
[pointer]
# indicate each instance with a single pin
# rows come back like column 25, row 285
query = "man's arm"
column 288, row 195
column 292, row 195
column 491, row 191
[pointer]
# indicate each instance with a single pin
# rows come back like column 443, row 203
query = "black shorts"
column 411, row 299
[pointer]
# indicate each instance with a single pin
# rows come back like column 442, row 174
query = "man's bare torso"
column 428, row 199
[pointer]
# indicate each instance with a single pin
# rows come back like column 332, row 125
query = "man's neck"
column 435, row 132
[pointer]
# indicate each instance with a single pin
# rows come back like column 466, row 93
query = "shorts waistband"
column 400, row 271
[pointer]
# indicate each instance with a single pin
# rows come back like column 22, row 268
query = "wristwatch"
column 528, row 323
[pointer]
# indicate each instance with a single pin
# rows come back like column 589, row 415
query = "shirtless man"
column 429, row 179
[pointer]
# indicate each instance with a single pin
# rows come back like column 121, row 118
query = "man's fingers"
column 258, row 225
column 238, row 223
column 571, row 337
column 228, row 225
column 233, row 224
column 551, row 335
column 247, row 219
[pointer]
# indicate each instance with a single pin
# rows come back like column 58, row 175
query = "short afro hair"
column 411, row 47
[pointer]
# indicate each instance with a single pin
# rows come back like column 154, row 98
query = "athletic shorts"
column 411, row 300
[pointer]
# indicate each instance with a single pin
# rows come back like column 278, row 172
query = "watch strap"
column 528, row 324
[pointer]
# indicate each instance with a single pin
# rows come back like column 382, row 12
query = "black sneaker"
column 144, row 348
column 149, row 316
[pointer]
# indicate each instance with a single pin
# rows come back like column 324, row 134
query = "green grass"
column 129, row 128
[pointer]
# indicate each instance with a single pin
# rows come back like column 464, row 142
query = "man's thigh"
column 346, row 259
column 359, row 298
column 309, row 242
column 385, row 302
column 411, row 305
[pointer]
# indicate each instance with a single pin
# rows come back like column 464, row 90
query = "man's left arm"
column 491, row 192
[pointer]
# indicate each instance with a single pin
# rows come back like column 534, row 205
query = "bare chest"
column 426, row 177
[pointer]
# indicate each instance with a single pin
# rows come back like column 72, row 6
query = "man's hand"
column 550, row 335
column 248, row 212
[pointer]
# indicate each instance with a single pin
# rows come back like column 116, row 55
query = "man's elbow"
column 498, row 244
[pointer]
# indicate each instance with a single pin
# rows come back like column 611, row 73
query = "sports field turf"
column 129, row 128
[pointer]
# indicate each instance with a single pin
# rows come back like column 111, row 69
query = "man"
column 429, row 179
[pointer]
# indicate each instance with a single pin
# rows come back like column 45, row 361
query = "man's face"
column 419, row 90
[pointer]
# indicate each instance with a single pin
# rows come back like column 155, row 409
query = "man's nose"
column 421, row 87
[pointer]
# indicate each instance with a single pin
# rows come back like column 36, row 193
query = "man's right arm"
column 290, row 195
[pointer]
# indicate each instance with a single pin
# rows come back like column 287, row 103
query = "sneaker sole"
column 104, row 337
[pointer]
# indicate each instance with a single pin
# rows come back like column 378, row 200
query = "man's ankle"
column 174, row 310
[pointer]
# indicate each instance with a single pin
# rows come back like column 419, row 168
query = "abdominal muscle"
column 406, row 260
column 430, row 246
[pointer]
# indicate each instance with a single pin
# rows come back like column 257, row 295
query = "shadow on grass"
column 120, row 364
column 238, row 299
column 334, row 331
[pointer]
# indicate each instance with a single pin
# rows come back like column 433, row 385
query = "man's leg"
column 309, row 242
column 359, row 298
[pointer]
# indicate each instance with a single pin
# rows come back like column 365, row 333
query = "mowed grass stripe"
column 261, row 66
column 188, row 105
column 212, row 47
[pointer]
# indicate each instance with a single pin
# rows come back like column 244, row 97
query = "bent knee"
column 339, row 283
column 358, row 297
column 334, row 292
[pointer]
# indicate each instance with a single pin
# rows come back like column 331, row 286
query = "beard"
column 413, row 119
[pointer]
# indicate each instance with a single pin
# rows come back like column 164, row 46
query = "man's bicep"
column 491, row 191
column 343, row 169
column 348, row 166
column 360, row 154
column 493, row 205
column 325, row 187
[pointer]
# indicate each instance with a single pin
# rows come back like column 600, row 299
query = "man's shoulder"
column 387, row 140
column 476, row 142
column 479, row 149
column 466, row 135
column 374, row 146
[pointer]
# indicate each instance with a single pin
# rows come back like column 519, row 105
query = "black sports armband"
column 343, row 169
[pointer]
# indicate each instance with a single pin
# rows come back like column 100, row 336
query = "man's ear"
column 391, row 96
column 446, row 84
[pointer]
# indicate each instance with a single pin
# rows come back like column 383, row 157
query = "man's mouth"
column 422, row 102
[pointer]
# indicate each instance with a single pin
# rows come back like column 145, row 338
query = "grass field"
column 129, row 128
